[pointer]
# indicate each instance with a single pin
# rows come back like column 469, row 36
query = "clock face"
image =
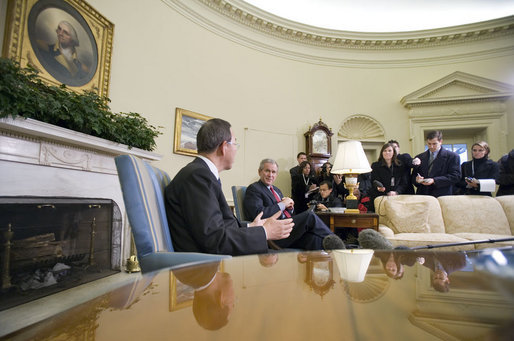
column 320, row 142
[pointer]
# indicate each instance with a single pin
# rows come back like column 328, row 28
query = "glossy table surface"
column 302, row 296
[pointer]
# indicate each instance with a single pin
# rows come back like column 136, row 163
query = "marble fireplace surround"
column 40, row 159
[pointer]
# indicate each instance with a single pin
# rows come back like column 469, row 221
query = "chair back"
column 143, row 187
column 238, row 193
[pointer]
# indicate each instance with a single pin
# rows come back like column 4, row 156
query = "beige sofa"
column 418, row 220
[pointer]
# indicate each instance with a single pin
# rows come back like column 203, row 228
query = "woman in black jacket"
column 388, row 175
column 480, row 167
column 303, row 187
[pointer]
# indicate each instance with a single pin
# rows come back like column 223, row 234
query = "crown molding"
column 257, row 19
column 247, row 25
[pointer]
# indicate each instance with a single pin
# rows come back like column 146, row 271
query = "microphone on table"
column 371, row 239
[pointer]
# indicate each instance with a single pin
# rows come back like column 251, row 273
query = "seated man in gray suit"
column 309, row 232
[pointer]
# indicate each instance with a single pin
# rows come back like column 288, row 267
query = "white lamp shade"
column 353, row 264
column 350, row 159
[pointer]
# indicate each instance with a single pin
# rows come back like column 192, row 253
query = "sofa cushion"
column 473, row 213
column 410, row 213
column 423, row 239
column 507, row 202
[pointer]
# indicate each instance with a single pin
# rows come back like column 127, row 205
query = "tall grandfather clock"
column 318, row 144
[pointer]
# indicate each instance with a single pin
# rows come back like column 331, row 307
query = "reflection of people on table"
column 393, row 262
column 267, row 260
column 214, row 296
column 61, row 57
column 443, row 264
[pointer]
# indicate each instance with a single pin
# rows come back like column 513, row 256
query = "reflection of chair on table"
column 143, row 193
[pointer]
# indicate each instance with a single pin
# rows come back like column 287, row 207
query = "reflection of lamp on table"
column 351, row 161
column 353, row 264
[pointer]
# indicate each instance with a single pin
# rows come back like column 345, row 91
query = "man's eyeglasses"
column 234, row 144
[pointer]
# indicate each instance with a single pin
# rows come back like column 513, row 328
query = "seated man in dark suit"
column 309, row 232
column 439, row 169
column 198, row 214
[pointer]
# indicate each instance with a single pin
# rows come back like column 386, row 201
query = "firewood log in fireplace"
column 35, row 249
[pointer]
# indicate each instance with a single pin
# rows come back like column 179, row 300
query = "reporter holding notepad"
column 479, row 175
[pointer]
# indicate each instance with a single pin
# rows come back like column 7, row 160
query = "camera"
column 313, row 203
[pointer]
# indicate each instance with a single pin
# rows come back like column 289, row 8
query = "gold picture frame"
column 181, row 294
column 35, row 30
column 187, row 124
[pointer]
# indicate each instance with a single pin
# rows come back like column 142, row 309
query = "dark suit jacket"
column 383, row 174
column 506, row 177
column 258, row 198
column 406, row 161
column 483, row 169
column 330, row 201
column 294, row 171
column 445, row 172
column 200, row 219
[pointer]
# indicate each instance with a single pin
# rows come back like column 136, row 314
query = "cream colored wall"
column 161, row 60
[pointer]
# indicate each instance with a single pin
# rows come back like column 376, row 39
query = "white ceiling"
column 386, row 15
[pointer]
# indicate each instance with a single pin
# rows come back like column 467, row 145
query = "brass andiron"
column 132, row 262
column 92, row 243
column 6, row 278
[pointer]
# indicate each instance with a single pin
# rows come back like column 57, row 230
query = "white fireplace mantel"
column 40, row 159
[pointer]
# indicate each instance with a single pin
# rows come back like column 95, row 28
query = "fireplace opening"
column 53, row 244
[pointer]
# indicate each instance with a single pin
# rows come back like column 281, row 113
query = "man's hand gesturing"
column 278, row 229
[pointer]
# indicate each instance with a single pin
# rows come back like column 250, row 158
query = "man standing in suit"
column 199, row 217
column 439, row 169
column 301, row 157
column 309, row 232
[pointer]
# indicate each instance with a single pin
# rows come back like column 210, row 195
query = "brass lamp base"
column 351, row 184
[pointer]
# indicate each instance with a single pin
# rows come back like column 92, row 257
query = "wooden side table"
column 352, row 220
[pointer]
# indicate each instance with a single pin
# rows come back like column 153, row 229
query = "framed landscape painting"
column 187, row 124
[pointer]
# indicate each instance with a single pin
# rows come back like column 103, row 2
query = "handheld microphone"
column 377, row 183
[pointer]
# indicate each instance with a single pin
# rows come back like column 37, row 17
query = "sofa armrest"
column 385, row 231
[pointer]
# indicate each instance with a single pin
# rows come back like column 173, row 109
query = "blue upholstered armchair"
column 143, row 193
column 238, row 193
